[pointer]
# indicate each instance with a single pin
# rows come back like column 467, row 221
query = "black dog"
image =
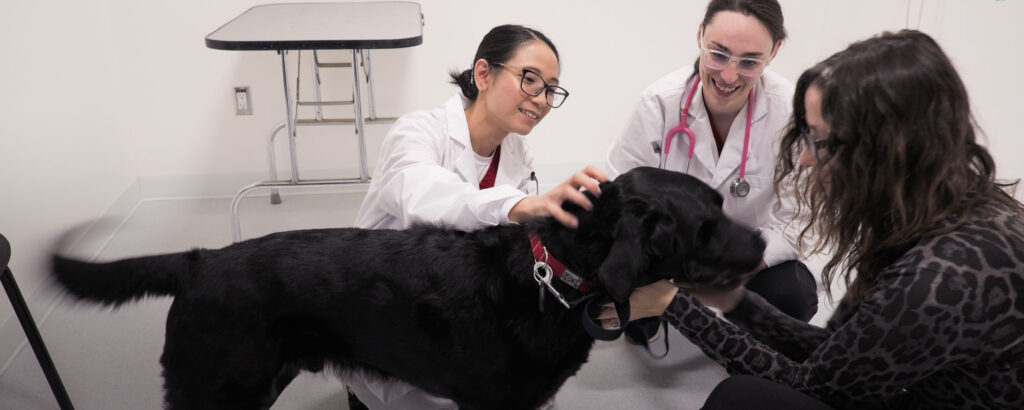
column 455, row 313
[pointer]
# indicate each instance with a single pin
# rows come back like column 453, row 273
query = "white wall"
column 64, row 157
column 105, row 99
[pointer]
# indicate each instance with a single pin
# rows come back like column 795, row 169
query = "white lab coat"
column 428, row 172
column 658, row 111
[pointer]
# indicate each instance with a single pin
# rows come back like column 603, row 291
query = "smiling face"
column 509, row 108
column 725, row 91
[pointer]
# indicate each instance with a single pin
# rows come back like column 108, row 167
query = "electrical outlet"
column 243, row 101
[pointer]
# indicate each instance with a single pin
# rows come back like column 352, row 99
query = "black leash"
column 595, row 329
column 645, row 340
column 591, row 326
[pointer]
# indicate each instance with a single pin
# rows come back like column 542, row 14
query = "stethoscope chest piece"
column 739, row 188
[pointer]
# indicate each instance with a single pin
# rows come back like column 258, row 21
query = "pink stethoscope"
column 739, row 188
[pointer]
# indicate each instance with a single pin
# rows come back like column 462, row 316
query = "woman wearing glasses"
column 467, row 164
column 930, row 243
column 720, row 121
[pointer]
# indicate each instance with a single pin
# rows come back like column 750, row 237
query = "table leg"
column 291, row 123
column 369, row 86
column 290, row 117
column 316, row 86
column 358, row 105
column 275, row 196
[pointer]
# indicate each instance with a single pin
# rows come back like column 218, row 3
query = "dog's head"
column 667, row 225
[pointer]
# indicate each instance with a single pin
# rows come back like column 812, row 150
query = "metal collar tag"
column 542, row 273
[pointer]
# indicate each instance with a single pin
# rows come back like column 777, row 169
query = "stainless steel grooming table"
column 358, row 26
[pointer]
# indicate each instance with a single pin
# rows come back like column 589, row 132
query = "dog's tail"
column 114, row 283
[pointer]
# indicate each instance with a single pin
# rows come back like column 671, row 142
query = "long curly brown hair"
column 902, row 155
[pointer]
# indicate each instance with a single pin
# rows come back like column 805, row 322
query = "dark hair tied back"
column 498, row 46
column 465, row 82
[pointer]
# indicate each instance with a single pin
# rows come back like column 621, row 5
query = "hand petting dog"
column 550, row 203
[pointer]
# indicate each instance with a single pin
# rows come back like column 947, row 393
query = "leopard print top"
column 942, row 328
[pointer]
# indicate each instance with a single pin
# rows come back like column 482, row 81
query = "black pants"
column 789, row 286
column 755, row 393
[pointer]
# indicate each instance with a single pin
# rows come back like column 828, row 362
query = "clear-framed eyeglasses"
column 719, row 60
column 532, row 84
column 819, row 148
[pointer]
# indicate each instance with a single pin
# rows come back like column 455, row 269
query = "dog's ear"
column 645, row 231
column 660, row 225
column 618, row 272
column 606, row 208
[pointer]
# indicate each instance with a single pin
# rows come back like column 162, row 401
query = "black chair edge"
column 35, row 339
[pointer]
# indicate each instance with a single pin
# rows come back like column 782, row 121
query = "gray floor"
column 109, row 358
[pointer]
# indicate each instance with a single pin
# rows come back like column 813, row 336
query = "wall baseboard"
column 86, row 243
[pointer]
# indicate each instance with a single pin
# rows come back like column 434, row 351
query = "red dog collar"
column 541, row 254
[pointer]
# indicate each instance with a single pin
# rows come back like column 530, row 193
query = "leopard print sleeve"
column 794, row 338
column 944, row 325
column 737, row 350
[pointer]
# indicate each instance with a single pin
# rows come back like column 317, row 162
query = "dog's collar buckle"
column 542, row 273
column 540, row 254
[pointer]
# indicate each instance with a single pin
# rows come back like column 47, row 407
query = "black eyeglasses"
column 818, row 147
column 532, row 84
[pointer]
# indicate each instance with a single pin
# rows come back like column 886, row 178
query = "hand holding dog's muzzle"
column 645, row 301
column 724, row 300
column 718, row 298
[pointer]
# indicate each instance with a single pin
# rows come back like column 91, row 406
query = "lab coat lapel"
column 510, row 168
column 729, row 162
column 464, row 163
column 704, row 151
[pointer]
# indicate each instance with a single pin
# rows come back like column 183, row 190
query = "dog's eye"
column 706, row 232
